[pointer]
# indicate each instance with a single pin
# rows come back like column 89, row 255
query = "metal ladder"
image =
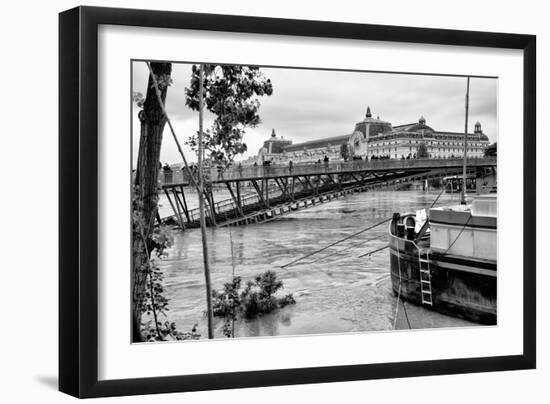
column 425, row 277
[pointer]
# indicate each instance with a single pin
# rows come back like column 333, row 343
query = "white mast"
column 463, row 196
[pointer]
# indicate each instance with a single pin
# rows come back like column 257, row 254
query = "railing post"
column 266, row 192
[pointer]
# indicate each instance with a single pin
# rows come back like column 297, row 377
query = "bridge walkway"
column 287, row 195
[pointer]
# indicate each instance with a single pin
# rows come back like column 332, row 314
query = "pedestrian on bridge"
column 220, row 170
column 167, row 173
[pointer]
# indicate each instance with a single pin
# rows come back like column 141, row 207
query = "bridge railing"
column 217, row 174
column 263, row 172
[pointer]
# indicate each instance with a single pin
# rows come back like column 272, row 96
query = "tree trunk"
column 146, row 187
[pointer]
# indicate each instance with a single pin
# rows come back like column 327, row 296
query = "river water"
column 335, row 290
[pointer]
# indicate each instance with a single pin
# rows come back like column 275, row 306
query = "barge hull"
column 460, row 288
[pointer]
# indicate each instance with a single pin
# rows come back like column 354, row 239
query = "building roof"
column 482, row 136
column 405, row 126
column 414, row 127
column 419, row 126
column 318, row 143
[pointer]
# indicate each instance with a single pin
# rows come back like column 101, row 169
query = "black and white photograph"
column 275, row 202
column 272, row 201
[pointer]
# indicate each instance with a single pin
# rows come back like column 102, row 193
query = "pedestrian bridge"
column 263, row 193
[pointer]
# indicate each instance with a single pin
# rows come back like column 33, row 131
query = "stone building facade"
column 373, row 137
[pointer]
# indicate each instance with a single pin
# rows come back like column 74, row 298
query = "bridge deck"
column 214, row 175
column 281, row 190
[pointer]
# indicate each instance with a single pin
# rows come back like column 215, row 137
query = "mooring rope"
column 353, row 235
column 399, row 291
column 336, row 242
column 383, row 248
column 232, row 257
column 373, row 251
column 436, row 199
column 344, row 249
column 399, row 268
column 406, row 315
column 459, row 234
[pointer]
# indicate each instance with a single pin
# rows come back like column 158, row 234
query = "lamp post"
column 463, row 196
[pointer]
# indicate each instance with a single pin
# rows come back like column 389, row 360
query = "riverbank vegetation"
column 145, row 191
column 153, row 303
column 230, row 94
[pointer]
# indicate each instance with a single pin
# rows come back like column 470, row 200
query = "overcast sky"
column 314, row 104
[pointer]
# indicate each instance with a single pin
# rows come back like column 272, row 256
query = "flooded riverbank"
column 335, row 290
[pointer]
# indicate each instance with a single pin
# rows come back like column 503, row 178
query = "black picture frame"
column 78, row 206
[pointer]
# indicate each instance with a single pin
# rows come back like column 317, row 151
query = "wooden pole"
column 201, row 211
column 463, row 196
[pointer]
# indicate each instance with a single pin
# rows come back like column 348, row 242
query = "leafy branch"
column 231, row 94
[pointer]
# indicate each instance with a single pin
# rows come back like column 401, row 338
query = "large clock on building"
column 355, row 143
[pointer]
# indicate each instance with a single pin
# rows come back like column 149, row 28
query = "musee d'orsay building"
column 375, row 137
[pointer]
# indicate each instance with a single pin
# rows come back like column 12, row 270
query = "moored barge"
column 445, row 260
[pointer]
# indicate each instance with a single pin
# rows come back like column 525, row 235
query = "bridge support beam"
column 330, row 179
column 238, row 188
column 317, row 185
column 259, row 192
column 354, row 177
column 266, row 184
column 178, row 205
column 210, row 200
column 183, row 204
column 178, row 216
column 283, row 187
column 235, row 199
column 309, row 184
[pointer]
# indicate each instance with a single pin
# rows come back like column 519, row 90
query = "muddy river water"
column 335, row 290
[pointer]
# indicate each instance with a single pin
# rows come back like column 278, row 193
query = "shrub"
column 257, row 298
column 285, row 301
column 226, row 302
column 168, row 332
